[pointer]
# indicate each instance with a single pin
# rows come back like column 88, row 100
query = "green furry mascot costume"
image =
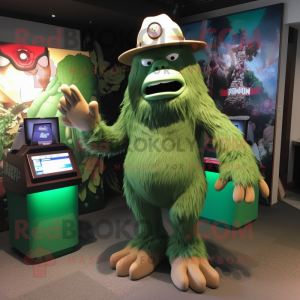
column 165, row 109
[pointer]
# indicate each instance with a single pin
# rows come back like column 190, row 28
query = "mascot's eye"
column 3, row 61
column 172, row 56
column 147, row 62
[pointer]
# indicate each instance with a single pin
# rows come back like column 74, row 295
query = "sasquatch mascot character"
column 165, row 109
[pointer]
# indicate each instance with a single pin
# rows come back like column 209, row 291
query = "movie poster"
column 30, row 81
column 240, row 68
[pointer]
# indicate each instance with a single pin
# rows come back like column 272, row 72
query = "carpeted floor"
column 266, row 266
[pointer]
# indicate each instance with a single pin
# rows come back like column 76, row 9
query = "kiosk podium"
column 41, row 178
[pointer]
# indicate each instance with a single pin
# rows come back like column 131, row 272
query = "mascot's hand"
column 240, row 192
column 78, row 113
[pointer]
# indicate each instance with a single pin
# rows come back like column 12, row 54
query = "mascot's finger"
column 64, row 104
column 93, row 107
column 238, row 193
column 264, row 189
column 250, row 194
column 66, row 122
column 68, row 94
column 220, row 184
column 61, row 109
column 76, row 93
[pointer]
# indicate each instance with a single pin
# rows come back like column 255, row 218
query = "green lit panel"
column 50, row 219
column 220, row 207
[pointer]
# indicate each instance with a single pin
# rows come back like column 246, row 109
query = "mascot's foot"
column 133, row 262
column 194, row 272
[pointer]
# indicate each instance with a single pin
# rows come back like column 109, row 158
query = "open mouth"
column 169, row 85
column 163, row 86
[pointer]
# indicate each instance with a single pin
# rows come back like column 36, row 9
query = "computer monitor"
column 29, row 125
column 241, row 122
column 242, row 125
column 42, row 164
column 41, row 134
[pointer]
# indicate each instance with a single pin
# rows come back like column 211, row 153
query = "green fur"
column 152, row 236
column 167, row 175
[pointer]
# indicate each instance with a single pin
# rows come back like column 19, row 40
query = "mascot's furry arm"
column 97, row 137
column 106, row 140
column 237, row 161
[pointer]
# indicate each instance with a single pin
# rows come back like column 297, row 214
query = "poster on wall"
column 240, row 68
column 30, row 81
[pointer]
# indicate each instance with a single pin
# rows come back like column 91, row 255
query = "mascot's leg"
column 186, row 249
column 148, row 248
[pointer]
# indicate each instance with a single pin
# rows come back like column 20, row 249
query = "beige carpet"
column 265, row 267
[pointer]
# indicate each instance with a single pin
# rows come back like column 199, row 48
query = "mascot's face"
column 160, row 69
column 162, row 85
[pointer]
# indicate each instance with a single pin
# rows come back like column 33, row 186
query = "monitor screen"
column 241, row 125
column 210, row 152
column 42, row 134
column 51, row 163
column 29, row 124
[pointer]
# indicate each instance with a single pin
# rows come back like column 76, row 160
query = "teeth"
column 159, row 82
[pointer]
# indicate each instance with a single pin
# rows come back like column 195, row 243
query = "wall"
column 291, row 15
column 288, row 105
column 36, row 34
column 295, row 122
column 291, row 11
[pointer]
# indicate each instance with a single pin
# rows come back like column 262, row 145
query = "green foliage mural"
column 109, row 79
column 9, row 124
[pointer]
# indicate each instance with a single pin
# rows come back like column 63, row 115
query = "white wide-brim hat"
column 159, row 31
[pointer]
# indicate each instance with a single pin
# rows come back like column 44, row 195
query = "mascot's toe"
column 134, row 263
column 144, row 265
column 195, row 273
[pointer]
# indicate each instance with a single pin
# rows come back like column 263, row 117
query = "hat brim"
column 127, row 57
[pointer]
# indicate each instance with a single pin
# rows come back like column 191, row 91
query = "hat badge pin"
column 154, row 30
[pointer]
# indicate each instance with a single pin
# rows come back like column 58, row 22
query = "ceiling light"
column 53, row 16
